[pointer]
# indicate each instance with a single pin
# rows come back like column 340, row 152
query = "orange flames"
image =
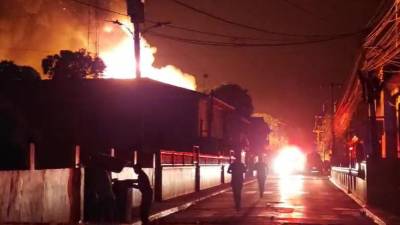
column 120, row 61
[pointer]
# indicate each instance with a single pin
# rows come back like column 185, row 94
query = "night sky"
column 287, row 82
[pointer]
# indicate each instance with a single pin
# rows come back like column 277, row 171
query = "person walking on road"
column 143, row 184
column 237, row 169
column 262, row 170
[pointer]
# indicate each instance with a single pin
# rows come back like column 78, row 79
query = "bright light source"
column 289, row 160
column 118, row 55
column 108, row 29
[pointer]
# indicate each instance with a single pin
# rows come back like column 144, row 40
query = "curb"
column 167, row 212
column 368, row 212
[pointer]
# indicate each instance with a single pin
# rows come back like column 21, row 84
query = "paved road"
column 293, row 200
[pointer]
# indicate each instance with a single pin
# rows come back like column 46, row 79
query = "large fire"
column 120, row 61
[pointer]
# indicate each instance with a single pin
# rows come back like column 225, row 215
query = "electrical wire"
column 232, row 44
column 382, row 44
column 304, row 10
column 258, row 28
column 99, row 8
column 178, row 27
column 230, row 36
column 234, row 37
column 322, row 38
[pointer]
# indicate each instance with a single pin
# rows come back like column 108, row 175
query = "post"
column 196, row 151
column 77, row 156
column 32, row 156
column 135, row 156
column 136, row 12
column 349, row 179
column 332, row 86
column 333, row 144
column 390, row 125
column 136, row 40
column 372, row 115
column 158, row 176
column 221, row 162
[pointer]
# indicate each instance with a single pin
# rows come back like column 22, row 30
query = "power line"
column 232, row 44
column 379, row 12
column 229, row 44
column 177, row 27
column 224, row 20
column 214, row 33
column 257, row 28
column 306, row 11
column 166, row 25
column 189, row 41
column 99, row 8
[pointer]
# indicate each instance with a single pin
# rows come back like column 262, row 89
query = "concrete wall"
column 227, row 176
column 39, row 196
column 383, row 178
column 210, row 176
column 177, row 181
column 356, row 185
column 128, row 173
column 180, row 180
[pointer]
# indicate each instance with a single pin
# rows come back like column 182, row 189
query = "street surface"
column 293, row 201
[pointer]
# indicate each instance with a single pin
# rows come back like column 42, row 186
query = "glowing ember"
column 120, row 62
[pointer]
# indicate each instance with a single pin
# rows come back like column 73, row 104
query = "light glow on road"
column 291, row 188
column 290, row 160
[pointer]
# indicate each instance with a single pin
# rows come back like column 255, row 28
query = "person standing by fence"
column 237, row 169
column 143, row 184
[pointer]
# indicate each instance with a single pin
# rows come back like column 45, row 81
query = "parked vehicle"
column 314, row 164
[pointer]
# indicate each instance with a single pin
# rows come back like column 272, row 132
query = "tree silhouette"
column 9, row 71
column 236, row 96
column 73, row 65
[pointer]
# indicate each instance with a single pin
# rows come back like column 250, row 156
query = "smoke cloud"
column 32, row 29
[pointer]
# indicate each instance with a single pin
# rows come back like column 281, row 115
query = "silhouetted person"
column 262, row 169
column 101, row 199
column 143, row 184
column 237, row 169
column 99, row 193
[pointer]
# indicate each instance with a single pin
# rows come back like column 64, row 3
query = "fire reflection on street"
column 291, row 189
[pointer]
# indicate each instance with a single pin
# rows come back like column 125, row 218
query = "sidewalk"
column 379, row 216
column 295, row 200
column 165, row 208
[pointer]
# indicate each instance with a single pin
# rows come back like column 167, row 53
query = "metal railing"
column 175, row 158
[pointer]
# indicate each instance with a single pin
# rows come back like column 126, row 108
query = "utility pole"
column 136, row 37
column 205, row 77
column 136, row 12
column 332, row 87
column 319, row 132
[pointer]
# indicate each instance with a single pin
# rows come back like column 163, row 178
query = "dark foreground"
column 291, row 200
